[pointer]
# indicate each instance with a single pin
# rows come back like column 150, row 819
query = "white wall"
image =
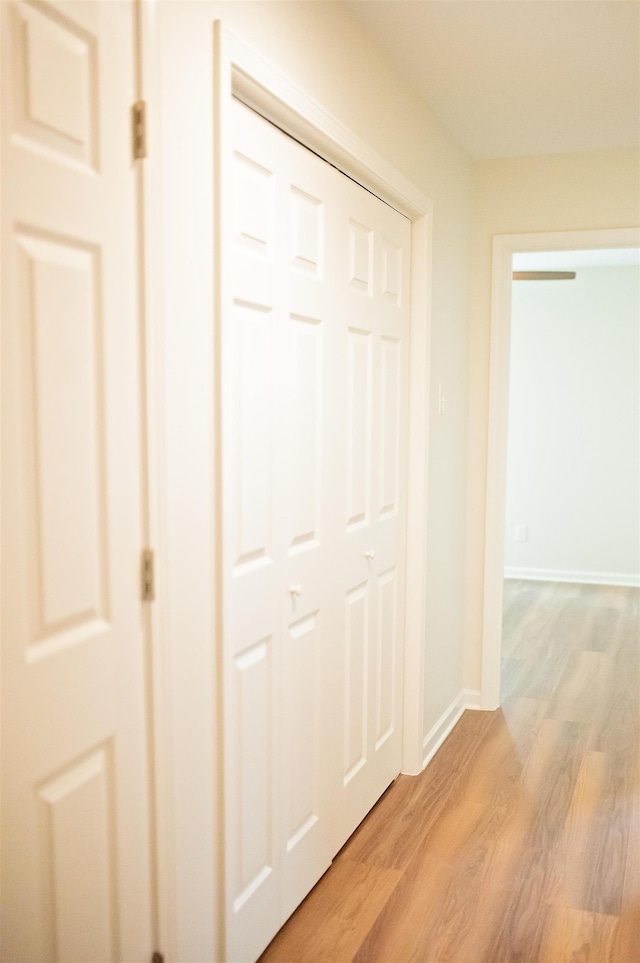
column 572, row 192
column 574, row 428
column 324, row 49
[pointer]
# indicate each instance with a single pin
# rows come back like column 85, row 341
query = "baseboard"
column 472, row 698
column 439, row 732
column 624, row 579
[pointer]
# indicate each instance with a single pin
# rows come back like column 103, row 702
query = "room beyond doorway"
column 504, row 249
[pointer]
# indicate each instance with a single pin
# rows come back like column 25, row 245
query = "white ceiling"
column 511, row 78
column 572, row 260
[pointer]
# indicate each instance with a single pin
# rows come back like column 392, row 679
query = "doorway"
column 504, row 249
column 573, row 463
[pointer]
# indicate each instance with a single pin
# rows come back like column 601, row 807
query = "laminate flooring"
column 520, row 842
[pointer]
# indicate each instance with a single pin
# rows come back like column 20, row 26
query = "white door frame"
column 241, row 72
column 152, row 419
column 504, row 247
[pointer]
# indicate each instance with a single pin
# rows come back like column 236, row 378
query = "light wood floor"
column 521, row 841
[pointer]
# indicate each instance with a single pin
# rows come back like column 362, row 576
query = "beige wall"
column 525, row 195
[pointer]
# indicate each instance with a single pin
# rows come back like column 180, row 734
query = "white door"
column 75, row 832
column 312, row 366
column 275, row 478
column 371, row 310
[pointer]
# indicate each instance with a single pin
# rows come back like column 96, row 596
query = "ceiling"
column 570, row 260
column 511, row 78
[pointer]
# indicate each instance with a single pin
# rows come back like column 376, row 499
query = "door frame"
column 238, row 71
column 155, row 615
column 504, row 247
column 242, row 73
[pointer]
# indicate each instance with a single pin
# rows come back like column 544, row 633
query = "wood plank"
column 627, row 941
column 576, row 936
column 407, row 813
column 626, row 944
column 545, row 791
column 601, row 629
column 547, row 662
column 399, row 932
column 539, row 653
column 336, row 915
column 577, row 696
column 616, row 723
column 574, row 863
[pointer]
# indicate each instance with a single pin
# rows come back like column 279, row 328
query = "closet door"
column 313, row 354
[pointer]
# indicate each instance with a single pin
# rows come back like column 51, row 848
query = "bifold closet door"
column 313, row 356
column 76, row 859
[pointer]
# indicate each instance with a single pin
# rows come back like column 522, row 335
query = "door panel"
column 76, row 860
column 390, row 428
column 359, row 378
column 57, row 119
column 360, row 257
column 254, row 749
column 356, row 680
column 301, row 784
column 306, row 233
column 57, row 289
column 255, row 335
column 386, row 655
column 305, row 441
column 76, row 846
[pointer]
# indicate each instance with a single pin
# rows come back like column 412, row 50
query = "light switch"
column 522, row 533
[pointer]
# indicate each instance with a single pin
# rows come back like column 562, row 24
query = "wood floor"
column 521, row 841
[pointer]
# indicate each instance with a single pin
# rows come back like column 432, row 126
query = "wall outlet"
column 522, row 533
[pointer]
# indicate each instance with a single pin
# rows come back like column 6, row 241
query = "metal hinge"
column 139, row 129
column 157, row 958
column 148, row 576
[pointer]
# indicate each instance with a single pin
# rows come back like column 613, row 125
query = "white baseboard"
column 439, row 732
column 472, row 698
column 626, row 579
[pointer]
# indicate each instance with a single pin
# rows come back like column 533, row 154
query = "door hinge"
column 139, row 129
column 148, row 576
column 157, row 958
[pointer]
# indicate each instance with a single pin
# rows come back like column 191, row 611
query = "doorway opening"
column 572, row 526
column 505, row 247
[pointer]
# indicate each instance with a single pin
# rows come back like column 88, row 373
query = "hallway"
column 520, row 841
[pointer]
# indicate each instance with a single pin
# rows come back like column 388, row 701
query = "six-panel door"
column 313, row 369
column 75, row 806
